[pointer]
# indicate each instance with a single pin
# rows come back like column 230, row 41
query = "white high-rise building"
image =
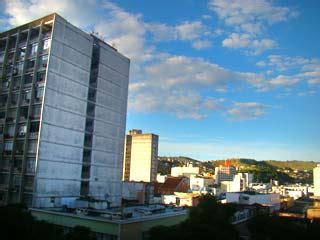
column 140, row 157
column 316, row 180
column 62, row 114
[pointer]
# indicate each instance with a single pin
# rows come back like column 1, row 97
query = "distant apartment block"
column 225, row 172
column 316, row 180
column 140, row 156
column 63, row 102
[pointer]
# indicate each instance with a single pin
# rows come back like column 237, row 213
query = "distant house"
column 174, row 184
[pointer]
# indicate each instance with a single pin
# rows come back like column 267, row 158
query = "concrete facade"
column 140, row 157
column 78, row 150
column 186, row 171
column 316, row 181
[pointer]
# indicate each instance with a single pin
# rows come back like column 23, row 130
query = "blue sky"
column 215, row 79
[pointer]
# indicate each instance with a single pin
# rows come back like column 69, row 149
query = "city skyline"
column 213, row 82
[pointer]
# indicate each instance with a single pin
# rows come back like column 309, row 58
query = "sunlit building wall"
column 140, row 157
column 62, row 114
column 316, row 180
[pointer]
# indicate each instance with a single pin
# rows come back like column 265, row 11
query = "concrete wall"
column 109, row 125
column 316, row 180
column 59, row 160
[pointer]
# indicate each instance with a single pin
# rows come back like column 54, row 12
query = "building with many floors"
column 63, row 103
column 140, row 156
column 316, row 181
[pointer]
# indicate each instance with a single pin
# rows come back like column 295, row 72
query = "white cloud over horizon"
column 249, row 21
column 185, row 86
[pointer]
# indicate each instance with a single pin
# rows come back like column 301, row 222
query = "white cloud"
column 190, row 30
column 246, row 110
column 283, row 63
column 201, row 44
column 250, row 14
column 245, row 41
column 249, row 20
column 307, row 93
column 194, row 32
column 286, row 81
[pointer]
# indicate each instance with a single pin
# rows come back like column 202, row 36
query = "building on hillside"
column 140, row 156
column 62, row 114
column 173, row 184
column 239, row 183
column 316, row 181
column 184, row 171
column 260, row 187
column 225, row 172
column 199, row 183
column 181, row 199
column 271, row 200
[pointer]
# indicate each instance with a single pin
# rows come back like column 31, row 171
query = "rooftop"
column 117, row 215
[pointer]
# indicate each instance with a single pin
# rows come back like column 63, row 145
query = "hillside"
column 264, row 171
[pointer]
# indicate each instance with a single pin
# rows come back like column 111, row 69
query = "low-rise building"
column 272, row 200
column 198, row 183
column 181, row 199
column 125, row 224
column 186, row 171
column 174, row 184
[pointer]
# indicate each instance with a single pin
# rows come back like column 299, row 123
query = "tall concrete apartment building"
column 63, row 103
column 140, row 156
column 316, row 180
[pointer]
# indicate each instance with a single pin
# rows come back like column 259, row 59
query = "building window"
column 10, row 57
column 24, row 113
column 9, row 131
column 31, row 165
column 18, row 68
column 5, row 84
column 16, row 83
column 12, row 42
column 43, row 61
column 9, row 69
column 2, row 114
column 41, row 76
column 11, row 115
column 19, row 147
column 22, row 130
column 3, row 100
column 36, row 111
column 21, row 53
column 28, row 78
column 14, row 99
column 27, row 95
column 34, row 34
column 8, row 145
column 30, row 64
column 90, row 109
column 39, row 93
column 46, row 45
column 32, row 146
column 23, row 38
column 46, row 31
column 34, row 129
column 33, row 48
column 86, row 155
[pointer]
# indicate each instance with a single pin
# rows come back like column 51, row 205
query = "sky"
column 214, row 79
